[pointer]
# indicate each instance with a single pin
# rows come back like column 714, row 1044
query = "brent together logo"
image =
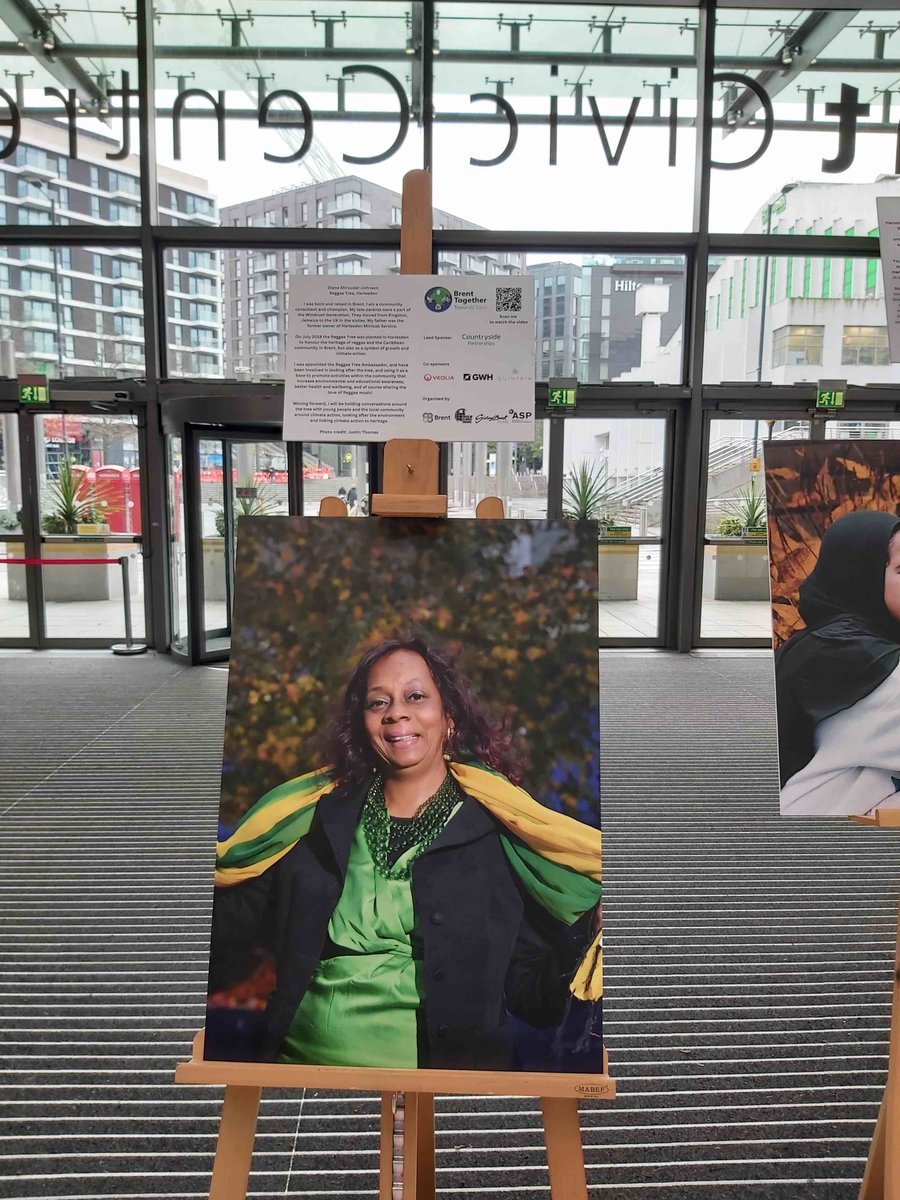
column 438, row 299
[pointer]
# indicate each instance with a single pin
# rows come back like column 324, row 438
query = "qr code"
column 509, row 299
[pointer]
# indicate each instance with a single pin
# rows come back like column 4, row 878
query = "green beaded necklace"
column 420, row 832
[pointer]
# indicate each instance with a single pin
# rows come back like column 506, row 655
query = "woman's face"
column 892, row 578
column 403, row 715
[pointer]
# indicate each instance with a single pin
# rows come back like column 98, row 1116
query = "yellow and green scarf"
column 555, row 857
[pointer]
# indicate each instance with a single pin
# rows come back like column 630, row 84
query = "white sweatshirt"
column 856, row 761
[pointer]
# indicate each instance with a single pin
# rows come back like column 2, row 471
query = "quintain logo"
column 438, row 299
column 463, row 416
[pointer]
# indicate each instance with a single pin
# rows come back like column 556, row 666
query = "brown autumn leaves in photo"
column 808, row 486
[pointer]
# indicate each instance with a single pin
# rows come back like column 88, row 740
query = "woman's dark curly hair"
column 475, row 737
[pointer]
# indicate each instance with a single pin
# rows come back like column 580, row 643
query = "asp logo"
column 463, row 416
column 473, row 378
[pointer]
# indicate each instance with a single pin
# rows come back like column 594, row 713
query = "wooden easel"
column 881, row 1180
column 411, row 489
column 411, row 482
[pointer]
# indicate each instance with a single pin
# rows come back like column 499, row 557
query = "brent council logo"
column 438, row 299
column 428, row 417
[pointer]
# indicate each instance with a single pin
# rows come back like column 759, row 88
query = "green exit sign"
column 561, row 397
column 830, row 393
column 561, row 393
column 33, row 389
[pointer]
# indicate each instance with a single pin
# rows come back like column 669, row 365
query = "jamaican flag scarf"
column 554, row 857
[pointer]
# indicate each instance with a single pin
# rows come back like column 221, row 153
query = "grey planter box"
column 618, row 571
column 736, row 572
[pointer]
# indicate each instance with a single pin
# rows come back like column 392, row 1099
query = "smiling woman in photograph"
column 413, row 896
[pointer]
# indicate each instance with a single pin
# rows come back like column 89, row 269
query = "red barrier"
column 128, row 646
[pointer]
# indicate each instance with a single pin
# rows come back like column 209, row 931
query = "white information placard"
column 889, row 236
column 410, row 356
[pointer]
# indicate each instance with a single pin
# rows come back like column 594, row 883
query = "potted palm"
column 586, row 492
column 251, row 499
column 70, row 507
column 740, row 571
column 586, row 497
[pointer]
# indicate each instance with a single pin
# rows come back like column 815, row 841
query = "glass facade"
column 692, row 190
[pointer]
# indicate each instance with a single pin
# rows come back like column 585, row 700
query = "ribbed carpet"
column 748, row 959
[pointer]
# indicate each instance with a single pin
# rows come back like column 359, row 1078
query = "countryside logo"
column 438, row 299
column 471, row 378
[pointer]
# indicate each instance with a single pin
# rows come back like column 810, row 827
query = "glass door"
column 216, row 479
column 70, row 490
column 735, row 606
column 218, row 476
column 614, row 472
column 15, row 625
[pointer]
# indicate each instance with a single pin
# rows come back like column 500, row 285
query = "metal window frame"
column 689, row 403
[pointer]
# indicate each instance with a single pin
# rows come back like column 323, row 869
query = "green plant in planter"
column 729, row 527
column 9, row 521
column 260, row 505
column 749, row 509
column 69, row 501
column 586, row 492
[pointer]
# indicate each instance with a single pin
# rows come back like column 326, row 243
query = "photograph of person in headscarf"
column 425, row 893
column 836, row 676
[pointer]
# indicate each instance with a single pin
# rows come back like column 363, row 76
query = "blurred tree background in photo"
column 516, row 600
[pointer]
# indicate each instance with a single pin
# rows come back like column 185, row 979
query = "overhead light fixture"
column 48, row 40
column 789, row 54
column 410, row 46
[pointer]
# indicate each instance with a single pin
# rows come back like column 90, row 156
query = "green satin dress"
column 360, row 1008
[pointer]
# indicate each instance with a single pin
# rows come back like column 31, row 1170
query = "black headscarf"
column 851, row 643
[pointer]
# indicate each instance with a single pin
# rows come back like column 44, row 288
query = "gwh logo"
column 473, row 378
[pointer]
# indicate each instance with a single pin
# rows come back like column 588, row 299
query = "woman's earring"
column 448, row 742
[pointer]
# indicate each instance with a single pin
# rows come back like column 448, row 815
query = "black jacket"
column 486, row 948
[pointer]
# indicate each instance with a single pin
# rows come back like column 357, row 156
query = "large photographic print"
column 834, row 543
column 408, row 868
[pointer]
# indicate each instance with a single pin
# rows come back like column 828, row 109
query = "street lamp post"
column 41, row 186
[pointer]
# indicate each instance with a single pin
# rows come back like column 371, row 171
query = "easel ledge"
column 389, row 1079
column 885, row 818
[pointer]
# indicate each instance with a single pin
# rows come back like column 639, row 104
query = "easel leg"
column 881, row 1180
column 873, row 1180
column 386, row 1150
column 891, row 1104
column 234, row 1148
column 418, row 1147
column 565, row 1154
